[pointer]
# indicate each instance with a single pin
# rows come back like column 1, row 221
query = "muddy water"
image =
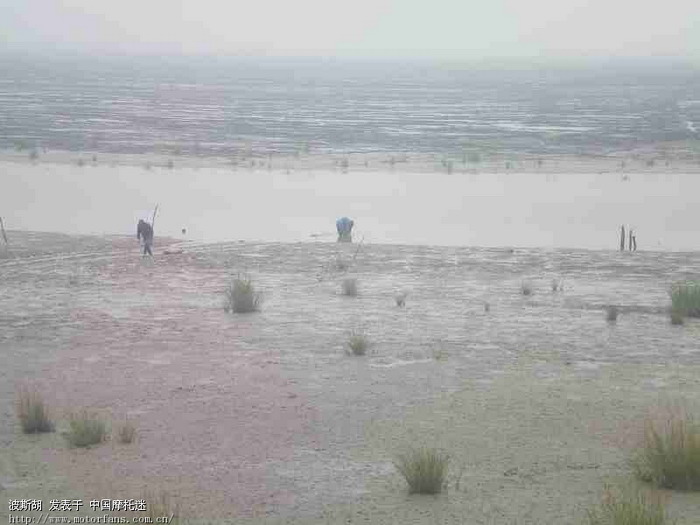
column 533, row 209
column 266, row 415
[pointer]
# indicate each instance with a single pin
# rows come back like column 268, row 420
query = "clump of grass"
column 487, row 307
column 424, row 469
column 628, row 507
column 670, row 454
column 685, row 299
column 241, row 297
column 526, row 288
column 170, row 164
column 611, row 313
column 33, row 414
column 160, row 505
column 349, row 286
column 358, row 343
column 126, row 433
column 85, row 429
column 33, row 154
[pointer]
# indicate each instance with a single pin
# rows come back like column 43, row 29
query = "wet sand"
column 263, row 418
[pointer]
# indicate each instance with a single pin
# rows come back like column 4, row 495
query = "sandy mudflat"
column 262, row 418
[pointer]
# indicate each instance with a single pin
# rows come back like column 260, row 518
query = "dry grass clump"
column 160, row 505
column 33, row 414
column 126, row 433
column 85, row 429
column 685, row 299
column 670, row 454
column 424, row 469
column 526, row 288
column 241, row 297
column 611, row 313
column 677, row 317
column 628, row 507
column 358, row 343
column 349, row 286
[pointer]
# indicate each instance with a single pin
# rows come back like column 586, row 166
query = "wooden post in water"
column 629, row 244
column 622, row 238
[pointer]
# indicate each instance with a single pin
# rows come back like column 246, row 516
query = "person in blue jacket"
column 344, row 226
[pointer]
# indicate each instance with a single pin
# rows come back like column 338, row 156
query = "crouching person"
column 144, row 232
column 344, row 226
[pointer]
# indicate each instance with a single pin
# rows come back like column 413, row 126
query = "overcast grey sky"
column 441, row 28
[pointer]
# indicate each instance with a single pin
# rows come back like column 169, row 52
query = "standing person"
column 144, row 231
column 344, row 226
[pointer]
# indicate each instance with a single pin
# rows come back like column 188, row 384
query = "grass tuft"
column 32, row 413
column 685, row 299
column 349, row 286
column 677, row 318
column 424, row 469
column 126, row 433
column 628, row 507
column 358, row 343
column 241, row 297
column 611, row 313
column 85, row 429
column 670, row 454
column 161, row 505
column 526, row 288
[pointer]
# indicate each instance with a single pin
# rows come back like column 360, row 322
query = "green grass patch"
column 32, row 412
column 685, row 299
column 669, row 456
column 85, row 429
column 424, row 469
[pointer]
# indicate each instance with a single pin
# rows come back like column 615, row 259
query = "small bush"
column 32, row 413
column 241, row 297
column 358, row 343
column 611, row 313
column 685, row 299
column 628, row 508
column 526, row 288
column 670, row 454
column 349, row 286
column 85, row 429
column 126, row 433
column 424, row 469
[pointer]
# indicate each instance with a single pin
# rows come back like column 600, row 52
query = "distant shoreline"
column 675, row 157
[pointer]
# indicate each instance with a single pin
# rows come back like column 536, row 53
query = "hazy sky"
column 442, row 28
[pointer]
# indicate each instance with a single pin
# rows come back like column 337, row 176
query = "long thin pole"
column 153, row 220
